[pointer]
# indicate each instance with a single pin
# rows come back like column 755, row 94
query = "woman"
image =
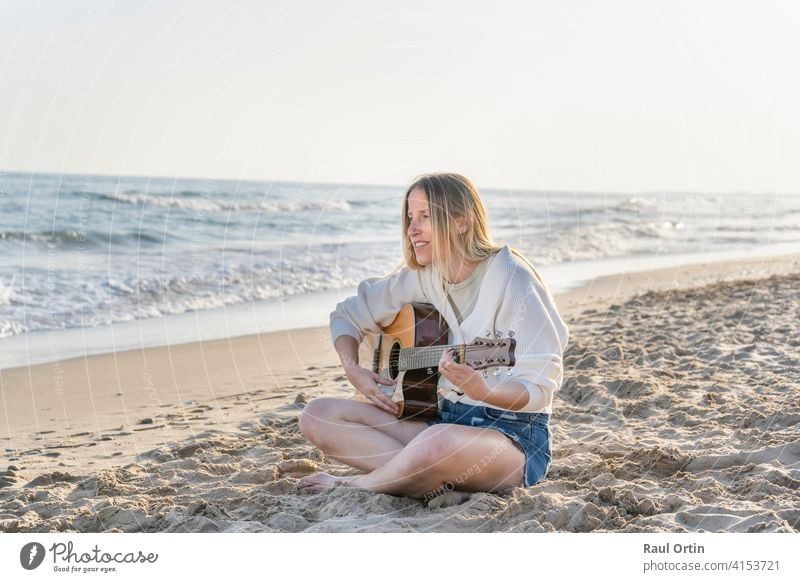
column 491, row 433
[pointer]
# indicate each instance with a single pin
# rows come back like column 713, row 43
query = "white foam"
column 6, row 291
column 209, row 204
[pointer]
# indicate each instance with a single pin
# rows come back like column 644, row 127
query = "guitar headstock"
column 485, row 353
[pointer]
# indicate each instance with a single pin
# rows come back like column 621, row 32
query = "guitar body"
column 408, row 352
column 415, row 391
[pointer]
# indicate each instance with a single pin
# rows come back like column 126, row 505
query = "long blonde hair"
column 451, row 196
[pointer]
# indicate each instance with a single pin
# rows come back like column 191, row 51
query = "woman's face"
column 419, row 226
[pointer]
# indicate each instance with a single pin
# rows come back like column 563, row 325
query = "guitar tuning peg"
column 485, row 374
column 510, row 333
column 488, row 333
column 498, row 334
column 496, row 372
column 509, row 372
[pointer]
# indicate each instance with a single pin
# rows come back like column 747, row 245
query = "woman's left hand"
column 468, row 381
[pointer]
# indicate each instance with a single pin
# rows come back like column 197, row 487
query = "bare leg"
column 356, row 433
column 441, row 458
column 449, row 456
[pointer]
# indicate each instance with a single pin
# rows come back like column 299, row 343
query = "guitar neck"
column 480, row 354
column 428, row 356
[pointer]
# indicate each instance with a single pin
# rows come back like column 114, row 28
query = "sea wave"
column 77, row 238
column 54, row 300
column 207, row 203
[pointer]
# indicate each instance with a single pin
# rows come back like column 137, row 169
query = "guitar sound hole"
column 394, row 361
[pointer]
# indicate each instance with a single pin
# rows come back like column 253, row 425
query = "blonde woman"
column 490, row 434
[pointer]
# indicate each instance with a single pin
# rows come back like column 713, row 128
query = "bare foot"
column 321, row 482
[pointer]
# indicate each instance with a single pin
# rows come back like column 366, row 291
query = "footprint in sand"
column 628, row 388
column 788, row 454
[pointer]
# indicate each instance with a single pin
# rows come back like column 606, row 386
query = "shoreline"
column 603, row 288
column 311, row 309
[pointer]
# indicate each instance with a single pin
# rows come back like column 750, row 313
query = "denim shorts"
column 529, row 431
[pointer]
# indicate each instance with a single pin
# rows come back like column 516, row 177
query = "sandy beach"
column 679, row 412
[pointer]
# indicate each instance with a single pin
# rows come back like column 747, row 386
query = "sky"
column 614, row 96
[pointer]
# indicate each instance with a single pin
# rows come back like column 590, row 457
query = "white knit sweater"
column 512, row 298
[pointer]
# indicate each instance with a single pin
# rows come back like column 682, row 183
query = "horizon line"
column 384, row 185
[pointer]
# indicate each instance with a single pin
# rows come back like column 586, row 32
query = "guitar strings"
column 426, row 353
column 426, row 356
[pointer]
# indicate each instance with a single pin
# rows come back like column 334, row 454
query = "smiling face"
column 444, row 226
column 419, row 226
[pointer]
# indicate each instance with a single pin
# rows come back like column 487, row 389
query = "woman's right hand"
column 366, row 382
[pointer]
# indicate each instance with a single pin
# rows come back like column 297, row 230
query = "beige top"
column 463, row 296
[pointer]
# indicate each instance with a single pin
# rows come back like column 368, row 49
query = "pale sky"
column 615, row 96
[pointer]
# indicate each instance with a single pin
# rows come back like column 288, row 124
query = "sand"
column 680, row 411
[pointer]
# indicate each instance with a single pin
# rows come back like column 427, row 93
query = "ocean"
column 100, row 263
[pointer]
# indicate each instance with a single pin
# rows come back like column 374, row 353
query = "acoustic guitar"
column 408, row 352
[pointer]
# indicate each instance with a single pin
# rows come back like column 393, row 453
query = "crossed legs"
column 407, row 457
